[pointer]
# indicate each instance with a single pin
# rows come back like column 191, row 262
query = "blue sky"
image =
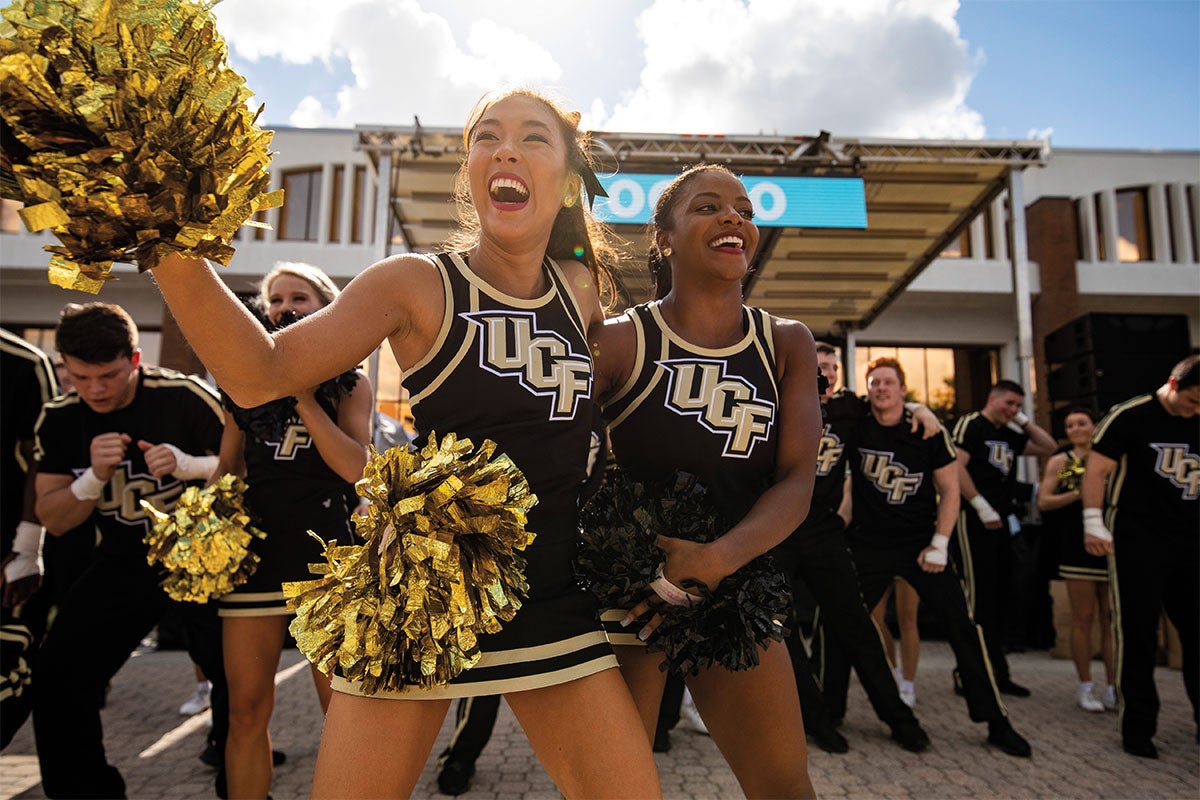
column 1087, row 74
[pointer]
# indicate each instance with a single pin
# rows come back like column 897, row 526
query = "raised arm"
column 398, row 298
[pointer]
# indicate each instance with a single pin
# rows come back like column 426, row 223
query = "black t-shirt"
column 842, row 415
column 26, row 382
column 993, row 450
column 895, row 497
column 1158, row 464
column 168, row 407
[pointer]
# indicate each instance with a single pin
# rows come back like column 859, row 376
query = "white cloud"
column 856, row 67
column 867, row 68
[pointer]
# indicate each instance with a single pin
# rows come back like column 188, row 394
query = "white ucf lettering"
column 1179, row 466
column 726, row 405
column 891, row 478
column 1000, row 456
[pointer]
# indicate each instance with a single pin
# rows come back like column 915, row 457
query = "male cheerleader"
column 1148, row 451
column 905, row 502
column 988, row 443
column 127, row 432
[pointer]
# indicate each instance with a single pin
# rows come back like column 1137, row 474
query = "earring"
column 568, row 201
column 666, row 251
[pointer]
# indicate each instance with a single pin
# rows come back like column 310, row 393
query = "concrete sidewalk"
column 1076, row 754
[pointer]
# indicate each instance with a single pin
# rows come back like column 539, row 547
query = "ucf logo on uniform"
column 1180, row 467
column 124, row 493
column 296, row 438
column 1000, row 455
column 724, row 404
column 829, row 451
column 542, row 361
column 892, row 479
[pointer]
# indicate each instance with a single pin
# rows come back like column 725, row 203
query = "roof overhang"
column 920, row 196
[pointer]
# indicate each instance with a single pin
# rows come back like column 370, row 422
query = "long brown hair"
column 576, row 235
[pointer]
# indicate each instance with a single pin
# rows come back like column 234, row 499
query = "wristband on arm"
column 984, row 509
column 27, row 552
column 189, row 467
column 87, row 486
column 1093, row 525
column 940, row 544
column 672, row 593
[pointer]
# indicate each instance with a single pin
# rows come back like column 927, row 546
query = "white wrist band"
column 984, row 509
column 189, row 467
column 1093, row 525
column 87, row 486
column 27, row 552
column 672, row 593
column 940, row 545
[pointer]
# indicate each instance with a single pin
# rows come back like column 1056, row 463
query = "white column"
column 1160, row 235
column 1019, row 248
column 383, row 205
column 1000, row 241
column 346, row 213
column 849, row 379
column 325, row 206
column 1180, row 225
column 975, row 236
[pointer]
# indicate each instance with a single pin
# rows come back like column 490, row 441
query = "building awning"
column 920, row 196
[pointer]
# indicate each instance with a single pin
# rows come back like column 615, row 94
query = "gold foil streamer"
column 441, row 563
column 203, row 542
column 1070, row 474
column 126, row 134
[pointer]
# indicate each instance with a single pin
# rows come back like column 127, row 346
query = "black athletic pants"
column 942, row 593
column 474, row 719
column 818, row 558
column 104, row 617
column 1157, row 568
column 984, row 557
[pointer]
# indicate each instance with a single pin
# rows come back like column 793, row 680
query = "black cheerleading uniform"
column 118, row 598
column 715, row 407
column 518, row 372
column 983, row 554
column 817, row 559
column 1153, row 510
column 290, row 491
column 895, row 516
column 1075, row 563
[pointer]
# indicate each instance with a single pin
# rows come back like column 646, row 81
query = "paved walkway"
column 1076, row 755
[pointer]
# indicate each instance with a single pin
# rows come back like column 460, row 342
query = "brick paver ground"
column 1076, row 754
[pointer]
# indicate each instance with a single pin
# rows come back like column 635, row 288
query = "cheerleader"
column 299, row 460
column 698, row 382
column 451, row 320
column 1086, row 576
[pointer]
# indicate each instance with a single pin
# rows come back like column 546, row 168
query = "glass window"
column 1080, row 231
column 1170, row 211
column 989, row 235
column 10, row 221
column 1098, row 208
column 960, row 247
column 1133, row 226
column 301, row 202
column 928, row 372
column 356, row 207
column 335, row 204
column 1191, row 221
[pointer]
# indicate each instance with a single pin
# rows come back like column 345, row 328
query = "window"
column 1080, row 231
column 335, row 204
column 989, row 235
column 928, row 371
column 10, row 221
column 1170, row 212
column 356, row 207
column 960, row 247
column 1133, row 226
column 300, row 220
column 1098, row 208
column 1191, row 221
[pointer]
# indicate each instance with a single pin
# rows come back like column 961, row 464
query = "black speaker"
column 1119, row 334
column 1110, row 377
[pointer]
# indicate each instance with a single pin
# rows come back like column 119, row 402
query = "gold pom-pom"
column 1070, row 474
column 126, row 134
column 203, row 542
column 441, row 563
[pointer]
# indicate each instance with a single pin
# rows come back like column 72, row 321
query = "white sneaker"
column 198, row 702
column 1109, row 698
column 908, row 695
column 1087, row 701
column 689, row 714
